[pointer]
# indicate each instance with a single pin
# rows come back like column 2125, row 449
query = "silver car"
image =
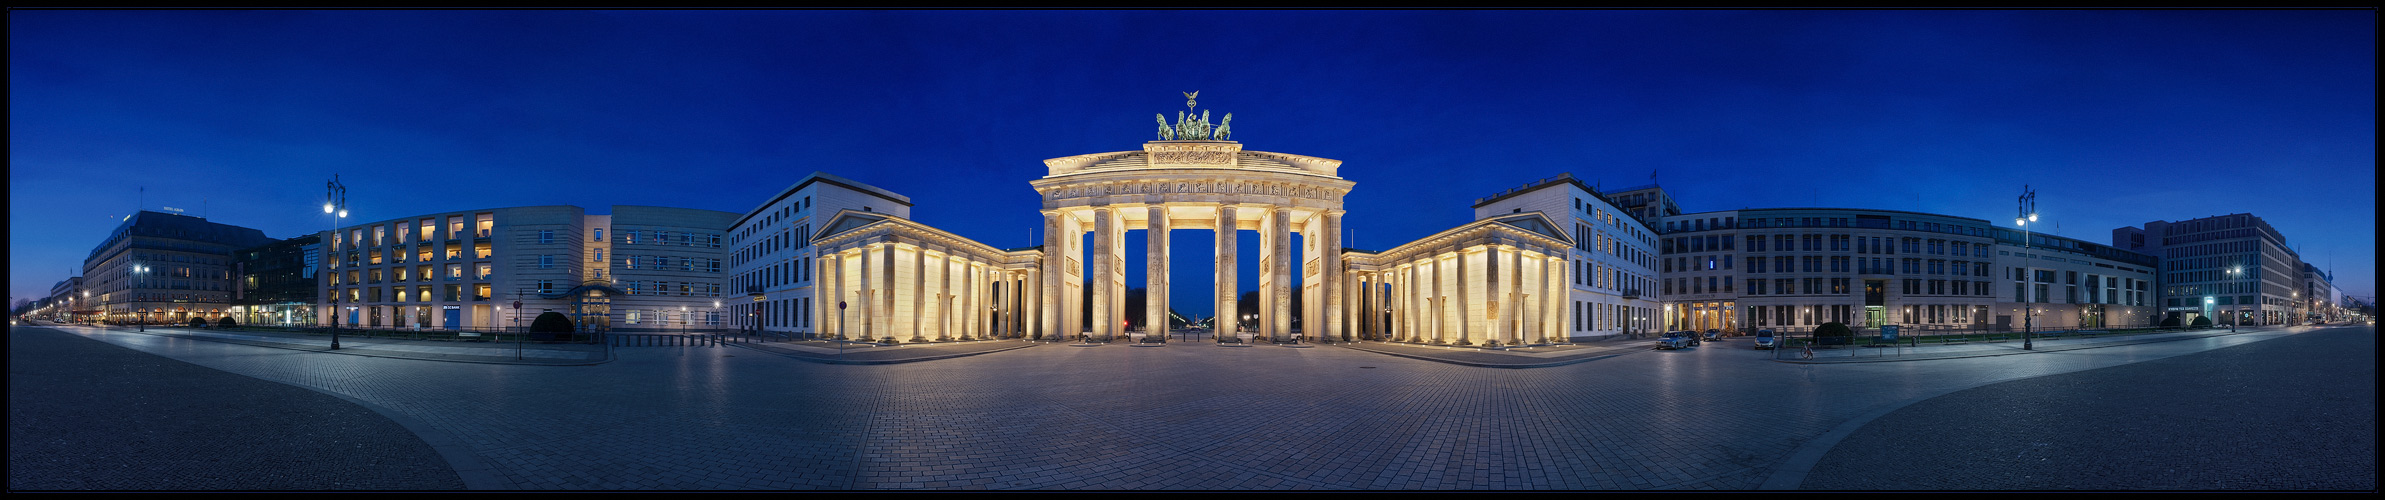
column 1765, row 339
column 1674, row 340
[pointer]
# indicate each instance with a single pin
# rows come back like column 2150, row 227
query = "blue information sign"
column 1888, row 333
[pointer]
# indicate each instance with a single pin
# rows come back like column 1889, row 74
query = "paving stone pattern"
column 1183, row 416
column 152, row 423
column 2296, row 413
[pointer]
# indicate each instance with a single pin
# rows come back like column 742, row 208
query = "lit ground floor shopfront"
column 287, row 314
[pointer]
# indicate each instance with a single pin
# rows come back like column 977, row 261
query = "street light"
column 683, row 319
column 142, row 324
column 2232, row 273
column 715, row 312
column 2027, row 214
column 335, row 201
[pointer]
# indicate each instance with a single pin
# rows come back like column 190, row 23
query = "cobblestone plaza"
column 1200, row 416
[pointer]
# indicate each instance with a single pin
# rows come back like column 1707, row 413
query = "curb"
column 877, row 361
column 1515, row 366
column 1999, row 353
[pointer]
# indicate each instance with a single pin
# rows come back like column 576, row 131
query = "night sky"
column 2114, row 117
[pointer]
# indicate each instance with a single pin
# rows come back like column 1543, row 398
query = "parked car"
column 1675, row 340
column 1713, row 334
column 1765, row 340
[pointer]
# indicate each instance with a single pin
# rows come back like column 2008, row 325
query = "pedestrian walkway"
column 427, row 350
column 863, row 353
column 2051, row 342
column 88, row 415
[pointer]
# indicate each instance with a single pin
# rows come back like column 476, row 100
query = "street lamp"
column 142, row 324
column 2027, row 214
column 335, row 201
column 2232, row 273
column 715, row 312
column 683, row 319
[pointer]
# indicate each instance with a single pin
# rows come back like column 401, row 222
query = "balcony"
column 1631, row 294
column 753, row 289
column 480, row 298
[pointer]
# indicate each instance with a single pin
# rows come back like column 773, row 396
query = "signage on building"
column 1888, row 333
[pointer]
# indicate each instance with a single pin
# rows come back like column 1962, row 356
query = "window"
column 600, row 256
column 546, row 236
column 484, row 271
column 546, row 286
column 598, row 237
column 546, row 262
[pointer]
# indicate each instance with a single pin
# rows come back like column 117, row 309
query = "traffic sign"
column 840, row 305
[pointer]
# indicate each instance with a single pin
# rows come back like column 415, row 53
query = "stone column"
column 1554, row 298
column 887, row 293
column 976, row 286
column 1436, row 325
column 944, row 295
column 1105, row 229
column 918, row 294
column 1222, row 327
column 1522, row 295
column 1047, row 290
column 835, row 295
column 1496, row 297
column 1155, row 272
column 1329, row 272
column 1281, row 263
column 1465, row 334
column 1038, row 319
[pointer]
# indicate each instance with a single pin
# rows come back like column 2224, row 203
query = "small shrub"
column 226, row 322
column 2169, row 322
column 1834, row 333
column 198, row 322
column 2202, row 322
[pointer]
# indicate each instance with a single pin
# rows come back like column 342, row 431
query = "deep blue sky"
column 2115, row 117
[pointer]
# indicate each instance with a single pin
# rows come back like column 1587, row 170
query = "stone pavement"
column 147, row 422
column 2296, row 413
column 1183, row 416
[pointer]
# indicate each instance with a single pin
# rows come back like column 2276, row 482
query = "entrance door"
column 352, row 314
column 1874, row 316
column 452, row 317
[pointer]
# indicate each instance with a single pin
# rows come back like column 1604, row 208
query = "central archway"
column 1191, row 184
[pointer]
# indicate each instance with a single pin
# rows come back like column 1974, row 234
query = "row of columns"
column 958, row 298
column 1107, row 259
column 1432, row 299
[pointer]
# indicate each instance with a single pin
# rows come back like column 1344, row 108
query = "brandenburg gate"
column 1191, row 178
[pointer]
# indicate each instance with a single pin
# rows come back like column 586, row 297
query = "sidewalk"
column 2057, row 343
column 426, row 350
column 1532, row 356
column 857, row 353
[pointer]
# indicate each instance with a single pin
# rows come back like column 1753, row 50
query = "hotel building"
column 162, row 267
